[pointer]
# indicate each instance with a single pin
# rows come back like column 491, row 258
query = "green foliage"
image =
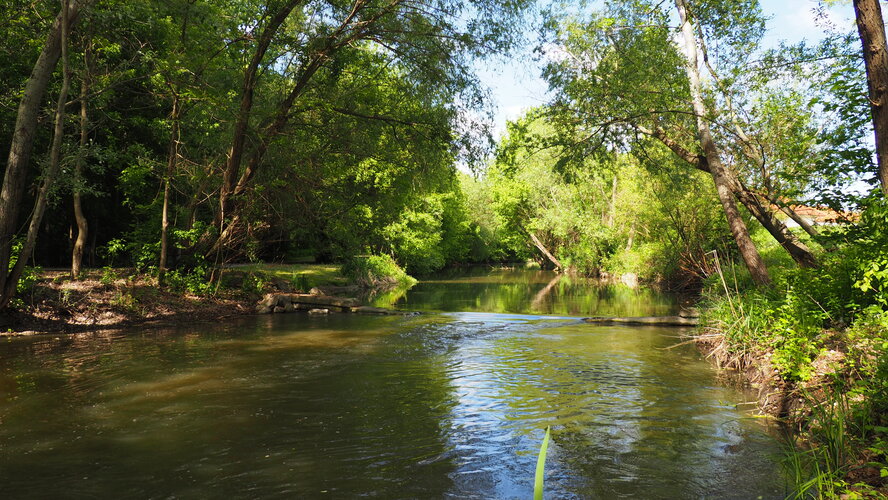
column 838, row 307
column 195, row 281
column 30, row 274
column 787, row 320
column 416, row 237
column 376, row 272
column 109, row 276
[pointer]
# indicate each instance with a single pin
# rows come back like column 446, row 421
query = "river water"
column 452, row 403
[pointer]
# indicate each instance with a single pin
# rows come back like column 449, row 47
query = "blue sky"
column 516, row 85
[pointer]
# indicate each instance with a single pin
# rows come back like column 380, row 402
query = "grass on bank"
column 825, row 333
column 366, row 271
column 299, row 276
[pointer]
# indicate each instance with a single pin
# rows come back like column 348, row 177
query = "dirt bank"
column 112, row 299
column 801, row 405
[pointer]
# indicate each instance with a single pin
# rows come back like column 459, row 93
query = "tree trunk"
column 792, row 214
column 79, row 217
column 235, row 154
column 22, row 144
column 761, row 211
column 875, row 56
column 233, row 185
column 51, row 172
column 768, row 219
column 537, row 243
column 612, row 208
column 720, row 176
column 172, row 161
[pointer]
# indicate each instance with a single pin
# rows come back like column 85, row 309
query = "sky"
column 516, row 84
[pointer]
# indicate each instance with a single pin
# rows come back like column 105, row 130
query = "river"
column 451, row 403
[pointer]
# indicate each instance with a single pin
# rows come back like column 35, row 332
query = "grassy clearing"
column 299, row 276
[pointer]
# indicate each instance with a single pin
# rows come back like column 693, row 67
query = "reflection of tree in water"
column 534, row 292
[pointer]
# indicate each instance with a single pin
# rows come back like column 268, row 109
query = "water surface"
column 441, row 405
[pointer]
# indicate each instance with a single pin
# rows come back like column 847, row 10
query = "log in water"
column 644, row 321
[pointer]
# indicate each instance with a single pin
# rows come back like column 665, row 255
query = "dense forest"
column 185, row 135
column 177, row 136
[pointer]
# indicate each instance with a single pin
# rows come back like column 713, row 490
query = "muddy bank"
column 102, row 300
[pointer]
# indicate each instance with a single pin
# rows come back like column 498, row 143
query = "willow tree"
column 294, row 41
column 691, row 101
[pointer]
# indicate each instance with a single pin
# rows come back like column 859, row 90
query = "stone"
column 318, row 311
column 270, row 300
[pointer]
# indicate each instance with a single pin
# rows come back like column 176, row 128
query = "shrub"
column 195, row 281
column 376, row 271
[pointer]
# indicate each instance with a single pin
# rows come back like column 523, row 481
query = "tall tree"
column 426, row 38
column 871, row 28
column 720, row 175
column 77, row 191
column 15, row 177
column 610, row 92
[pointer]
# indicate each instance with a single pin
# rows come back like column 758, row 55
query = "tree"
column 748, row 251
column 871, row 28
column 611, row 94
column 22, row 143
column 425, row 38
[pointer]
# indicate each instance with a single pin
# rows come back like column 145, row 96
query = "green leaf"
column 541, row 468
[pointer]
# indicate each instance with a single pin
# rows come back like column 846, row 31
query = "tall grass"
column 818, row 468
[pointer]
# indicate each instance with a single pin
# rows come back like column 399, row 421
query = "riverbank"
column 118, row 298
column 828, row 386
column 111, row 299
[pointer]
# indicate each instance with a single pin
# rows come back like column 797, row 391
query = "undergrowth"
column 826, row 333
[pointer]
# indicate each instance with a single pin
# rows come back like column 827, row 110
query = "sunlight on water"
column 434, row 406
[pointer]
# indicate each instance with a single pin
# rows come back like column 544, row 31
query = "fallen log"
column 314, row 304
column 288, row 302
column 644, row 320
column 382, row 311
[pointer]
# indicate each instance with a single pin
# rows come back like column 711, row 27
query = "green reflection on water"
column 527, row 292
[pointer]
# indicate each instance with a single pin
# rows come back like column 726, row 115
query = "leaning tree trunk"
column 543, row 250
column 51, row 172
column 761, row 211
column 875, row 56
column 720, row 176
column 22, row 144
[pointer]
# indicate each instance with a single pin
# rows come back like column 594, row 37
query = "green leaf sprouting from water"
column 541, row 469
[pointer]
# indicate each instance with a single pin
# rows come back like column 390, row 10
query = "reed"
column 541, row 468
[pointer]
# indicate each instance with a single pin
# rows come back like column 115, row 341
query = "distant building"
column 818, row 216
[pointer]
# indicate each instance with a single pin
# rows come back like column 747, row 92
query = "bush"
column 376, row 271
column 195, row 281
